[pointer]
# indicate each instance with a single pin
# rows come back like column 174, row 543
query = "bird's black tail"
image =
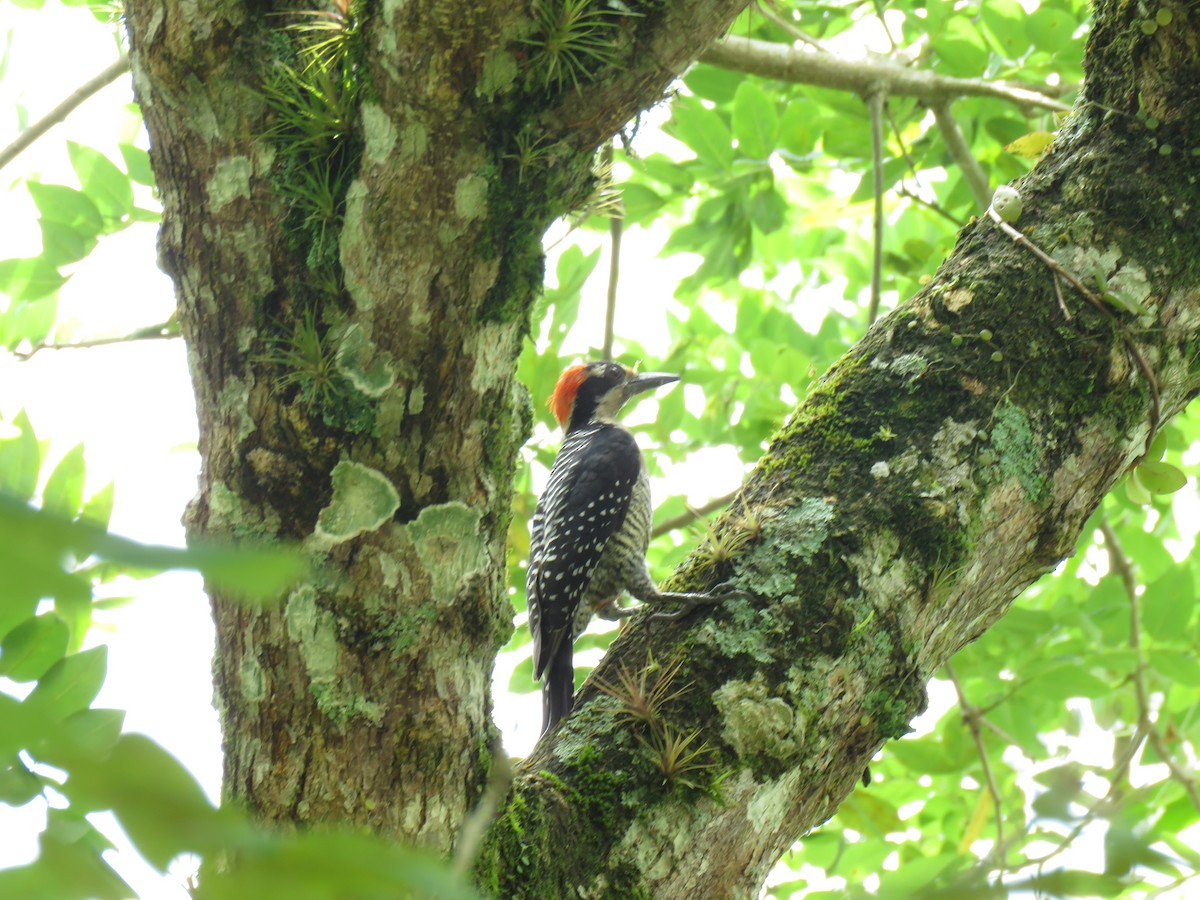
column 558, row 686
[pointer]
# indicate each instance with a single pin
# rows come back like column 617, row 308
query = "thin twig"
column 875, row 103
column 771, row 12
column 693, row 513
column 154, row 333
column 961, row 153
column 1121, row 566
column 1098, row 302
column 1118, row 776
column 615, row 226
column 64, row 109
column 972, row 717
column 917, row 198
column 1062, row 304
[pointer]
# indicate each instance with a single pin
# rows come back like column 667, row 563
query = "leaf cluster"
column 72, row 221
column 60, row 751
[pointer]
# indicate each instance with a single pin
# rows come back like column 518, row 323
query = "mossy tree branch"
column 930, row 477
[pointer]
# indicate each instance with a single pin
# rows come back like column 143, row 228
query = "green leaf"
column 925, row 756
column 29, row 321
column 29, row 279
column 30, row 649
column 641, row 203
column 325, row 865
column 66, row 206
column 158, row 802
column 99, row 507
column 137, row 164
column 62, row 244
column 713, row 83
column 704, row 132
column 1032, row 145
column 755, row 121
column 71, row 684
column 17, row 784
column 20, row 460
column 1167, row 604
column 94, row 731
column 63, row 494
column 1160, row 477
column 521, row 681
column 104, row 184
column 1175, row 666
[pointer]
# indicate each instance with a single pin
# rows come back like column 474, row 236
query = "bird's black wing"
column 584, row 504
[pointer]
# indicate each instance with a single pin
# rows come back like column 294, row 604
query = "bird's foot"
column 688, row 602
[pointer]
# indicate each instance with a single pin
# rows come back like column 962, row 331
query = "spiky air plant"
column 643, row 692
column 574, row 40
column 306, row 359
column 679, row 760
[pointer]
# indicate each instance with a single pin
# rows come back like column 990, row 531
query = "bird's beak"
column 647, row 381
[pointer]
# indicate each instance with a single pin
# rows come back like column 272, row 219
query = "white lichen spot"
column 379, row 131
column 753, row 721
column 230, row 181
column 355, row 251
column 881, row 470
column 416, row 399
column 414, row 141
column 499, row 71
column 390, row 570
column 958, row 299
column 313, row 629
column 448, row 543
column 251, row 681
column 234, row 403
column 1131, row 283
column 363, row 499
column 491, row 356
column 772, row 802
column 470, row 197
column 370, row 370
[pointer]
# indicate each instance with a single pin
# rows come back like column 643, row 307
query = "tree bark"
column 944, row 464
column 365, row 697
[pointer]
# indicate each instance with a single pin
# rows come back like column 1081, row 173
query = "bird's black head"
column 598, row 390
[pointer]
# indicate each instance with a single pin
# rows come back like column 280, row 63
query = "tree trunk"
column 365, row 697
column 932, row 475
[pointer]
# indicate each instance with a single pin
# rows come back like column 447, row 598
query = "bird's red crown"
column 563, row 398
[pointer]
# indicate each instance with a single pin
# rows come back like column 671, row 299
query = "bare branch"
column 693, row 513
column 164, row 332
column 973, row 717
column 1124, row 571
column 862, row 76
column 770, row 11
column 875, row 105
column 64, row 109
column 615, row 226
column 977, row 180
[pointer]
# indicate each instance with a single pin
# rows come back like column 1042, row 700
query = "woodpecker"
column 591, row 526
